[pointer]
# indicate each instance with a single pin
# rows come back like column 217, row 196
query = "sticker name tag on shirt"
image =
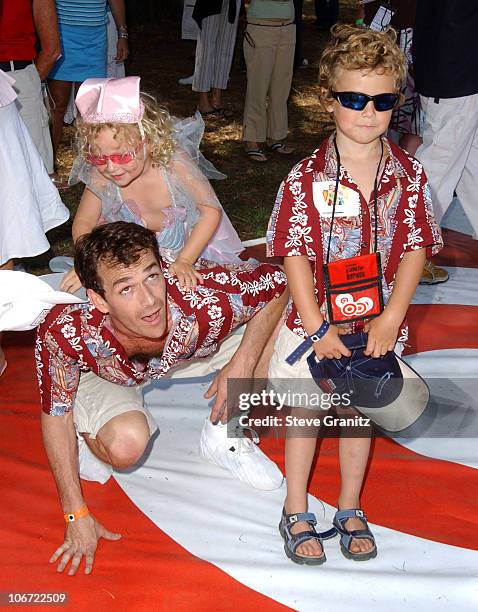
column 348, row 200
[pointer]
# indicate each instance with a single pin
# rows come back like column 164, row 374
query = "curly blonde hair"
column 353, row 48
column 158, row 130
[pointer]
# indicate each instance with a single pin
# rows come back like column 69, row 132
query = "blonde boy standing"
column 361, row 74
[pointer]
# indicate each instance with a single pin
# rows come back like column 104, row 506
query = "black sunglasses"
column 358, row 101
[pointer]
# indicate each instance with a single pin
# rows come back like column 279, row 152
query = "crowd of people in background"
column 272, row 49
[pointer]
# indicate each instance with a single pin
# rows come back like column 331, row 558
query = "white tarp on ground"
column 218, row 519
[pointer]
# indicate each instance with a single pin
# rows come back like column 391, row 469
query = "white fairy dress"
column 186, row 178
column 29, row 202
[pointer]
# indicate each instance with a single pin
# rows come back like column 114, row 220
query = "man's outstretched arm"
column 82, row 535
column 252, row 356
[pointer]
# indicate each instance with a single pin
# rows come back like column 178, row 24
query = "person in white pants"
column 450, row 153
column 445, row 51
column 30, row 204
column 217, row 21
column 189, row 31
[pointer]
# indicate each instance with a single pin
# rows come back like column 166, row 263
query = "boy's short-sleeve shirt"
column 78, row 338
column 405, row 220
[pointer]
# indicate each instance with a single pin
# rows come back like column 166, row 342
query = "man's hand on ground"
column 81, row 540
column 218, row 388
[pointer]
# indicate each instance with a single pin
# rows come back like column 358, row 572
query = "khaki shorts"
column 293, row 380
column 98, row 400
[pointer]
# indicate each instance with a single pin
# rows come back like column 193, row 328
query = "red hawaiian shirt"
column 404, row 214
column 78, row 338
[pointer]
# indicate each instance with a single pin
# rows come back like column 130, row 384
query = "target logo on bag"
column 350, row 308
column 353, row 288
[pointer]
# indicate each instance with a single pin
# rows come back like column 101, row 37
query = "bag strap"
column 375, row 207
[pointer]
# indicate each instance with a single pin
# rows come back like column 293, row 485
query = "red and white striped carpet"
column 193, row 538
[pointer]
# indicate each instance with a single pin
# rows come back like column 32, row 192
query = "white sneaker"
column 186, row 80
column 241, row 456
column 89, row 466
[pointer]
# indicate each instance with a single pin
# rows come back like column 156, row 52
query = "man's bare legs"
column 3, row 362
column 59, row 92
column 216, row 98
column 122, row 440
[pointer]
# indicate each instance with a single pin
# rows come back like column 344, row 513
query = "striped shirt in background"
column 81, row 12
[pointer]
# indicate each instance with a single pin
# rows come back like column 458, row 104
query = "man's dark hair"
column 118, row 243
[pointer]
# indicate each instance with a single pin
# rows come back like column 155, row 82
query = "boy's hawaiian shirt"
column 405, row 220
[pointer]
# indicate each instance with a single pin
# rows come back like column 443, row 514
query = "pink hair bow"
column 110, row 100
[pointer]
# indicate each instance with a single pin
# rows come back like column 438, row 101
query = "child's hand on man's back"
column 188, row 277
column 331, row 346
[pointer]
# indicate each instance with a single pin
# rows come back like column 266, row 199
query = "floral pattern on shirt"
column 78, row 338
column 405, row 220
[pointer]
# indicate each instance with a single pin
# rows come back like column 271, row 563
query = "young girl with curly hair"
column 139, row 165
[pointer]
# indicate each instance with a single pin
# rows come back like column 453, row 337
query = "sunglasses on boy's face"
column 116, row 158
column 358, row 101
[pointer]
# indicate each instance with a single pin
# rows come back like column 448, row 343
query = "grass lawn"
column 160, row 57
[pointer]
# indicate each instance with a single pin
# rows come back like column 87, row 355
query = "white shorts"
column 293, row 380
column 296, row 380
column 30, row 204
column 98, row 401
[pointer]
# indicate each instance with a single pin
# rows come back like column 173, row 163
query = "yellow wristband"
column 74, row 516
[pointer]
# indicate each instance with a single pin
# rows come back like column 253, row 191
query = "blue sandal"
column 340, row 518
column 293, row 540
